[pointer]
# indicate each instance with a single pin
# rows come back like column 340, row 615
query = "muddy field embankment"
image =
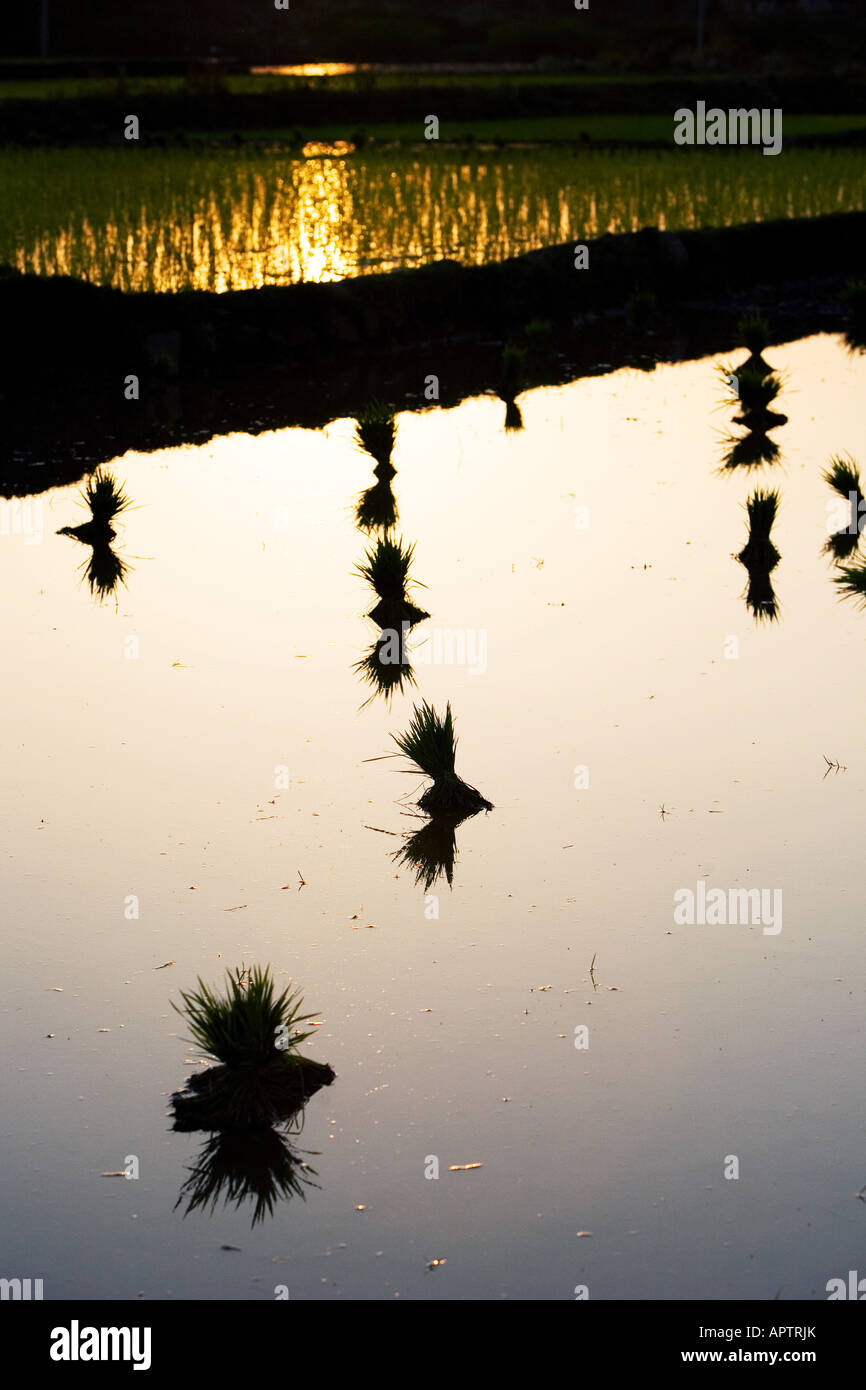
column 208, row 363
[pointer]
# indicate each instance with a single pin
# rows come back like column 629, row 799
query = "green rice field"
column 220, row 218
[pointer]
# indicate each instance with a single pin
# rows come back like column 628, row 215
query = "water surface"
column 156, row 775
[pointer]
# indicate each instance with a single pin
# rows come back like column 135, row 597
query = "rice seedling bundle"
column 259, row 1081
column 431, row 744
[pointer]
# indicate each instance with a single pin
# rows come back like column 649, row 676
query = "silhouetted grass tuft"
column 386, row 567
column 851, row 582
column 104, row 497
column 241, row 1028
column 262, row 1079
column 843, row 476
column 759, row 555
column 431, row 744
column 762, row 508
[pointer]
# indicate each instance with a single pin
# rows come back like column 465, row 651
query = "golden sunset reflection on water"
column 308, row 70
column 224, row 219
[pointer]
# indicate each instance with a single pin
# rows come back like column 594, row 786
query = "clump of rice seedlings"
column 262, row 1078
column 759, row 555
column 104, row 570
column 843, row 476
column 851, row 582
column 431, row 744
column 104, row 497
column 235, row 1167
column 386, row 569
column 513, row 417
column 240, row 1029
column 756, row 390
column 730, row 381
column 759, row 550
column 376, row 431
column 105, row 500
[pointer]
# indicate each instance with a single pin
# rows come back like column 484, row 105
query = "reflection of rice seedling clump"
column 749, row 451
column 376, row 431
column 261, row 1167
column 851, row 582
column 759, row 555
column 104, row 569
column 262, row 1078
column 431, row 744
column 377, row 506
column 512, row 371
column 383, row 669
column 756, row 390
column 843, row 476
column 431, row 850
column 753, row 332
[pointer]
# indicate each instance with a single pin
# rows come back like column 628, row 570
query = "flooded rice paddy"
column 195, row 782
column 223, row 219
